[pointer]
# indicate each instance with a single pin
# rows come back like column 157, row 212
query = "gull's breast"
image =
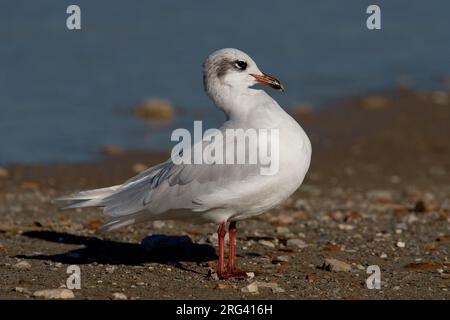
column 271, row 190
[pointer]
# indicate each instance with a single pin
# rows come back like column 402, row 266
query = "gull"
column 213, row 192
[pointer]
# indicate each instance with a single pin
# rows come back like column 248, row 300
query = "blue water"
column 64, row 94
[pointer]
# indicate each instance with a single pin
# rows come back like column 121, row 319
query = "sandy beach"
column 377, row 193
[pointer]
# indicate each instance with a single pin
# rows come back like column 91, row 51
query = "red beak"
column 269, row 81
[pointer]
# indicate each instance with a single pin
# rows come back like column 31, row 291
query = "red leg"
column 231, row 268
column 221, row 236
column 232, row 272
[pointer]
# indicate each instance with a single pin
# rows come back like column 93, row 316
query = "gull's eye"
column 241, row 65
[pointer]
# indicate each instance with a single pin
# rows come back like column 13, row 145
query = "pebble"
column 251, row 288
column 267, row 243
column 159, row 224
column 119, row 296
column 280, row 259
column 22, row 290
column 333, row 247
column 301, row 204
column 401, row 226
column 383, row 256
column 223, row 286
column 111, row 269
column 379, row 195
column 335, row 265
column 346, row 227
column 401, row 244
column 60, row 293
column 360, row 267
column 311, row 277
column 422, row 266
column 213, row 275
column 420, row 207
column 23, row 265
column 412, row 218
column 299, row 243
column 282, row 230
column 213, row 239
column 281, row 220
column 95, row 224
column 255, row 286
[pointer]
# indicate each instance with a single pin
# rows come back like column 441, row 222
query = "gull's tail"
column 102, row 198
column 126, row 202
column 88, row 198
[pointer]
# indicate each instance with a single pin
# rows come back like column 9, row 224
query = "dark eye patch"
column 226, row 65
column 241, row 65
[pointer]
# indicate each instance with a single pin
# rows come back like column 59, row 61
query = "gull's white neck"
column 238, row 103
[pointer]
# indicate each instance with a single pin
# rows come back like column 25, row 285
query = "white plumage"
column 214, row 192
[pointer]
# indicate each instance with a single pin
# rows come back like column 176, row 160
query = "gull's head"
column 234, row 69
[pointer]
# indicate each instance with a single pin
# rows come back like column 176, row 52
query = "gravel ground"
column 378, row 193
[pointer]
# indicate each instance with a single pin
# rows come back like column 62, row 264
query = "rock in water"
column 155, row 110
column 112, row 150
column 375, row 102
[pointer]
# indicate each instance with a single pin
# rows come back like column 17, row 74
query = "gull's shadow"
column 172, row 250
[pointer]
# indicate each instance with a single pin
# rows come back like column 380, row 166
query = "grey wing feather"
column 164, row 187
column 170, row 186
